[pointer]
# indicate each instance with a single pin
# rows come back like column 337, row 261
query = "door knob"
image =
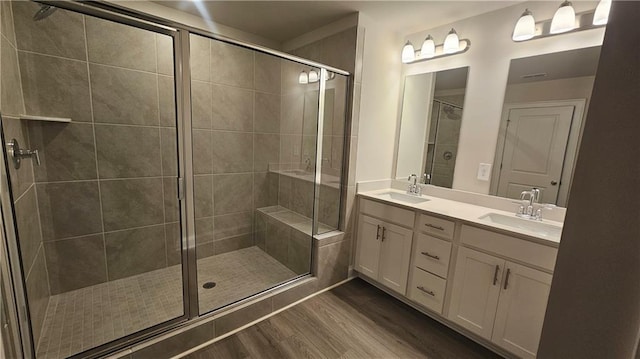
column 553, row 183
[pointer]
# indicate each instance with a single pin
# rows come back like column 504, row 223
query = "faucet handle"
column 543, row 206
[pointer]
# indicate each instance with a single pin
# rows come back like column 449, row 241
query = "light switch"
column 484, row 171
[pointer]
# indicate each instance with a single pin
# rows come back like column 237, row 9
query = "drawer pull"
column 430, row 255
column 495, row 275
column 434, row 226
column 378, row 232
column 506, row 278
column 383, row 230
column 430, row 292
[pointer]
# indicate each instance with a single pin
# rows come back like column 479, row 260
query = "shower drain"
column 209, row 285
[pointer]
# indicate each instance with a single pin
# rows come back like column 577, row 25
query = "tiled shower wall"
column 106, row 189
column 236, row 135
column 22, row 184
column 343, row 50
column 447, row 136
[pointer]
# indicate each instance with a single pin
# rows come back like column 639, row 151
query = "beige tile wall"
column 343, row 50
column 106, row 189
column 22, row 180
column 236, row 135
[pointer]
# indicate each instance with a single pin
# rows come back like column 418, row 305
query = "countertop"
column 468, row 213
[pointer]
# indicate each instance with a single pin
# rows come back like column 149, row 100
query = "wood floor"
column 355, row 320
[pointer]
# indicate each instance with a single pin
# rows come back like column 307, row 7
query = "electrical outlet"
column 484, row 171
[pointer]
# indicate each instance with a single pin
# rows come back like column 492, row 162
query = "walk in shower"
column 152, row 174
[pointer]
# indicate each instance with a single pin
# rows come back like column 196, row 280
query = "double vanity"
column 478, row 269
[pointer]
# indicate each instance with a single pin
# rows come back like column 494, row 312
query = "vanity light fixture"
column 525, row 27
column 303, row 78
column 428, row 49
column 601, row 16
column 313, row 76
column 564, row 20
column 408, row 53
column 452, row 45
column 451, row 42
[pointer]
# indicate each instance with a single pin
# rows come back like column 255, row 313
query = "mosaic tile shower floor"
column 85, row 318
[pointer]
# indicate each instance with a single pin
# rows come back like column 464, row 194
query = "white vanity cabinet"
column 488, row 282
column 384, row 248
column 498, row 299
column 476, row 288
column 431, row 256
column 521, row 309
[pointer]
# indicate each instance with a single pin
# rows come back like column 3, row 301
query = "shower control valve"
column 17, row 153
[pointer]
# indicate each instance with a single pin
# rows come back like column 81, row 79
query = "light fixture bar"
column 465, row 44
column 584, row 21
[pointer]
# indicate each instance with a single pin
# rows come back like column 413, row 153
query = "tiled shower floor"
column 85, row 318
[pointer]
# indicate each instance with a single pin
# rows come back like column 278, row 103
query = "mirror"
column 430, row 123
column 545, row 104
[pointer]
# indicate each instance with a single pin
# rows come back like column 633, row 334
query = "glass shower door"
column 254, row 130
column 97, row 215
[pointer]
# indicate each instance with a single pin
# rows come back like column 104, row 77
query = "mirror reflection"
column 432, row 108
column 546, row 100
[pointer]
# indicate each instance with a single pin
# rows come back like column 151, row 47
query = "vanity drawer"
column 391, row 214
column 519, row 249
column 438, row 226
column 432, row 255
column 427, row 290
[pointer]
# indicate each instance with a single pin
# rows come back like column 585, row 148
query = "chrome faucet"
column 528, row 201
column 414, row 188
column 307, row 162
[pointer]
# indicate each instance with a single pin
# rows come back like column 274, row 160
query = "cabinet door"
column 521, row 309
column 368, row 252
column 395, row 257
column 476, row 287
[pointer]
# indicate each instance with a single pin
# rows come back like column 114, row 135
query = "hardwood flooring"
column 355, row 320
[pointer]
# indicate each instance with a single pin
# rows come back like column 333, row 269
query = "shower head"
column 43, row 12
column 451, row 114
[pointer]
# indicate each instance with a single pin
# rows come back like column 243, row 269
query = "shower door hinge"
column 181, row 189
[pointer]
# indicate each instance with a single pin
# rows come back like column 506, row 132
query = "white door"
column 368, row 249
column 395, row 257
column 521, row 309
column 476, row 287
column 534, row 151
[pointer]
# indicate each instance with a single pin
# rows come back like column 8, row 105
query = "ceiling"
column 557, row 65
column 284, row 20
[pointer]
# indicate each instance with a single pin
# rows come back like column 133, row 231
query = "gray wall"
column 337, row 50
column 594, row 304
column 343, row 50
column 236, row 135
column 22, row 180
column 106, row 188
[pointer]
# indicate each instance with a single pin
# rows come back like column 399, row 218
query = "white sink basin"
column 540, row 228
column 401, row 197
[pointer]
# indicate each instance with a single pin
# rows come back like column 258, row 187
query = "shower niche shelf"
column 44, row 118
